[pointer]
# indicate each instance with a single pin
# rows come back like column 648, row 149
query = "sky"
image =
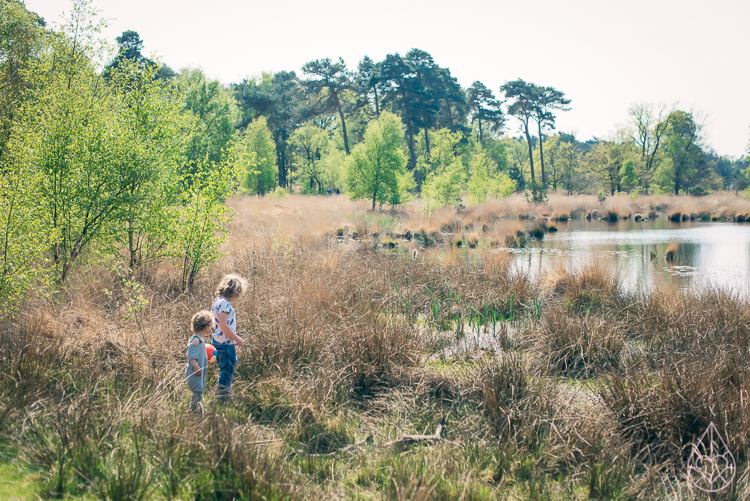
column 604, row 55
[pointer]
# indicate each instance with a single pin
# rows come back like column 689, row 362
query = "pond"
column 708, row 253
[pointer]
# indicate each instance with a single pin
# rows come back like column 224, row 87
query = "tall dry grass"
column 339, row 350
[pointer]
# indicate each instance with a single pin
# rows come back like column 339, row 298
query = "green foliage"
column 628, row 175
column 333, row 171
column 21, row 43
column 81, row 153
column 479, row 184
column 444, row 188
column 375, row 166
column 503, row 186
column 537, row 193
column 256, row 154
column 311, row 144
column 148, row 114
column 445, row 148
column 212, row 112
column 24, row 238
column 683, row 147
column 698, row 191
column 202, row 220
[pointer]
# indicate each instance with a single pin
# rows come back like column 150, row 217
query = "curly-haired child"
column 195, row 372
column 225, row 331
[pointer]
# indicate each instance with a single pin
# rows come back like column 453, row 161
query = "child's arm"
column 197, row 370
column 223, row 316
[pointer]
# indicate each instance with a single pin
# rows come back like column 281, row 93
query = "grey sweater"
column 196, row 352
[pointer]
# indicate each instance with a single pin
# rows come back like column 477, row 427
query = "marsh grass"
column 340, row 360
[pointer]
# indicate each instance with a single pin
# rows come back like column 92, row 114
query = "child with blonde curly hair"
column 225, row 331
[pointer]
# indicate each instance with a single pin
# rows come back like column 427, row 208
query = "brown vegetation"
column 349, row 350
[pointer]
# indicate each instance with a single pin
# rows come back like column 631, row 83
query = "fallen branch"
column 264, row 441
column 413, row 439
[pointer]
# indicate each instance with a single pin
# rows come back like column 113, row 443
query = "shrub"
column 698, row 191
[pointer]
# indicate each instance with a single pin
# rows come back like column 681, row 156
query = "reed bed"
column 580, row 391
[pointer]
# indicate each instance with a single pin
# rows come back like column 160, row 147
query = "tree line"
column 128, row 157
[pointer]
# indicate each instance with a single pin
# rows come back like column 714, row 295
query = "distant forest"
column 316, row 116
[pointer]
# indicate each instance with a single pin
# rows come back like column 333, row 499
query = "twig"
column 259, row 442
column 411, row 439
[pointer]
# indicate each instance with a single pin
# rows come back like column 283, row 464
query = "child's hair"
column 230, row 286
column 201, row 320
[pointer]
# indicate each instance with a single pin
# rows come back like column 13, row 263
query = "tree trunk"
column 481, row 138
column 343, row 123
column 427, row 147
column 541, row 156
column 413, row 160
column 280, row 160
column 450, row 115
column 377, row 108
column 531, row 151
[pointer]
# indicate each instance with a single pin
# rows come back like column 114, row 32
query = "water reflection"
column 708, row 253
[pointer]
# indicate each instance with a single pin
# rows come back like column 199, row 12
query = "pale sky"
column 604, row 55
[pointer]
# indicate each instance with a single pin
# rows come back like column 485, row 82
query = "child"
column 195, row 372
column 225, row 331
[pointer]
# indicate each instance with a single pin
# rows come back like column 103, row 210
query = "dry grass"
column 341, row 346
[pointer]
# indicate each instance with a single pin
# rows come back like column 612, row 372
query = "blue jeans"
column 226, row 356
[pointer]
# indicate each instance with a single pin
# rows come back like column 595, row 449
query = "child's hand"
column 198, row 372
column 239, row 342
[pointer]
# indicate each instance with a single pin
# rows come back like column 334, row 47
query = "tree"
column 256, row 154
column 129, row 47
column 311, row 143
column 76, row 147
column 650, row 123
column 278, row 97
column 333, row 171
column 376, row 165
column 202, row 220
column 24, row 242
column 479, row 183
column 485, row 109
column 523, row 108
column 368, row 82
column 447, row 147
column 426, row 103
column 568, row 160
column 330, row 80
column 547, row 100
column 213, row 112
column 22, row 40
column 453, row 105
column 683, row 147
column 445, row 187
column 628, row 175
column 148, row 116
column 606, row 159
column 408, row 96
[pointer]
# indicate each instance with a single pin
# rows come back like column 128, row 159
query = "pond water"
column 708, row 254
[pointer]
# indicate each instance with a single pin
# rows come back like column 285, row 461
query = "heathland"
column 374, row 372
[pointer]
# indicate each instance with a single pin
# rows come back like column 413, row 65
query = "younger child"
column 225, row 331
column 195, row 372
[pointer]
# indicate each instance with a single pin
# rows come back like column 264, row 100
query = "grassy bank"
column 561, row 388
